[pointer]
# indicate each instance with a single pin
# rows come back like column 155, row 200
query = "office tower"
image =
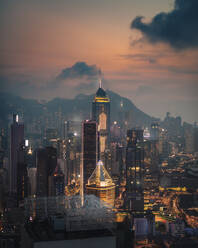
column 120, row 150
column 72, row 154
column 89, row 152
column 32, row 172
column 195, row 140
column 154, row 131
column 22, row 175
column 17, row 139
column 164, row 145
column 59, row 182
column 101, row 185
column 3, row 146
column 101, row 114
column 46, row 161
column 134, row 171
column 51, row 137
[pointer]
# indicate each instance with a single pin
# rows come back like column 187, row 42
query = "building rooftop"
column 101, row 92
column 100, row 177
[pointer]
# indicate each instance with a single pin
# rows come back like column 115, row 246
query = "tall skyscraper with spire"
column 101, row 114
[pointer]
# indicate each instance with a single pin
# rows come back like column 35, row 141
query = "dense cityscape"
column 98, row 124
column 98, row 180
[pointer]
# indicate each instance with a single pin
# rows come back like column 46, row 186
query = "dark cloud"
column 79, row 70
column 178, row 28
column 152, row 59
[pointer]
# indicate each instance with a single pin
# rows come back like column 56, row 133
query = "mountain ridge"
column 79, row 106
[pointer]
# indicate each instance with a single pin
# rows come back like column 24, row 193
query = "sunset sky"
column 56, row 48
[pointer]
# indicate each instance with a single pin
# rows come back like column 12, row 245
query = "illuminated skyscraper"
column 89, row 152
column 101, row 185
column 134, row 170
column 101, row 114
column 17, row 139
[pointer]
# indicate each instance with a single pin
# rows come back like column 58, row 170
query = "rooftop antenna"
column 100, row 83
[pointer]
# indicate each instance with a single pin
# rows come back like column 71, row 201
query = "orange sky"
column 42, row 37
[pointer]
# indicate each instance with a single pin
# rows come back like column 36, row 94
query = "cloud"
column 79, row 78
column 178, row 28
column 79, row 70
column 150, row 58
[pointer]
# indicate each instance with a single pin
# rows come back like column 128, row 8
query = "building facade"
column 134, row 200
column 89, row 152
column 101, row 114
column 16, row 140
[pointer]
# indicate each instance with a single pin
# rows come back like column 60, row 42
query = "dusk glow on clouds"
column 142, row 59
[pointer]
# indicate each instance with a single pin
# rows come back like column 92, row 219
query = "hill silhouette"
column 79, row 107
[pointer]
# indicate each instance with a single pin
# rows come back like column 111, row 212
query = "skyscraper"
column 101, row 114
column 17, row 139
column 154, row 131
column 22, row 174
column 89, row 152
column 101, row 185
column 46, row 161
column 134, row 171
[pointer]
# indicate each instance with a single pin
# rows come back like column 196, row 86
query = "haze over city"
column 146, row 51
column 99, row 123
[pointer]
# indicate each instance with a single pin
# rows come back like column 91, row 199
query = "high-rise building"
column 59, row 182
column 17, row 139
column 72, row 152
column 101, row 185
column 89, row 152
column 154, row 131
column 134, row 171
column 22, row 175
column 46, row 161
column 101, row 114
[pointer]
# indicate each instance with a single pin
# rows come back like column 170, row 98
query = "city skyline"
column 58, row 49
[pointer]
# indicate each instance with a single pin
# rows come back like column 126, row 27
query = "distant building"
column 154, row 131
column 101, row 185
column 51, row 137
column 17, row 139
column 89, row 151
column 32, row 181
column 134, row 200
column 59, row 182
column 101, row 114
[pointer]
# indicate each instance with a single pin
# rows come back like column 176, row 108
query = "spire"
column 100, row 83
